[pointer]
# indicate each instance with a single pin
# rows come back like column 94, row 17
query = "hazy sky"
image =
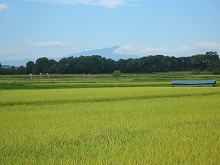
column 56, row 28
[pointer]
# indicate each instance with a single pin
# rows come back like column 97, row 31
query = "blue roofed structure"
column 211, row 83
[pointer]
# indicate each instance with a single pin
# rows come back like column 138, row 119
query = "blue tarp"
column 193, row 82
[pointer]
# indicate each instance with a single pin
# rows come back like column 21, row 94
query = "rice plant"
column 110, row 126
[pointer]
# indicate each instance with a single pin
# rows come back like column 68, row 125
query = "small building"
column 210, row 83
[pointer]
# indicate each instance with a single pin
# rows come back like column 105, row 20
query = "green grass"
column 57, row 81
column 59, row 96
column 144, row 125
column 62, row 85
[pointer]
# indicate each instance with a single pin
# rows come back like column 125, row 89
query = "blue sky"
column 30, row 29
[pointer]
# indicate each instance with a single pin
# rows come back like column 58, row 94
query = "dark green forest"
column 97, row 64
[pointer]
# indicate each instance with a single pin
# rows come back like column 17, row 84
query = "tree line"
column 97, row 64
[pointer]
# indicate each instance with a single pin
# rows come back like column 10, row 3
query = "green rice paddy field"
column 111, row 125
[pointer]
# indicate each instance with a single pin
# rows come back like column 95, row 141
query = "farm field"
column 111, row 125
column 58, row 81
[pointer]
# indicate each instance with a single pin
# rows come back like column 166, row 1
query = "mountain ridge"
column 107, row 52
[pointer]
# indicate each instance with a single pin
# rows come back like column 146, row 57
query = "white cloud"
column 110, row 3
column 102, row 3
column 46, row 44
column 197, row 48
column 140, row 50
column 3, row 6
column 186, row 50
column 208, row 45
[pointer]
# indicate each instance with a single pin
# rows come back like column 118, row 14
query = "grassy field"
column 111, row 125
column 56, row 81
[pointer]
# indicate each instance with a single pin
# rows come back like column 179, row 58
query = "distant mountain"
column 6, row 66
column 105, row 52
column 16, row 63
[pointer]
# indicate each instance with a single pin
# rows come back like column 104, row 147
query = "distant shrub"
column 117, row 74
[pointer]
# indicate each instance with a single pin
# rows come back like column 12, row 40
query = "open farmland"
column 123, row 125
column 61, row 81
